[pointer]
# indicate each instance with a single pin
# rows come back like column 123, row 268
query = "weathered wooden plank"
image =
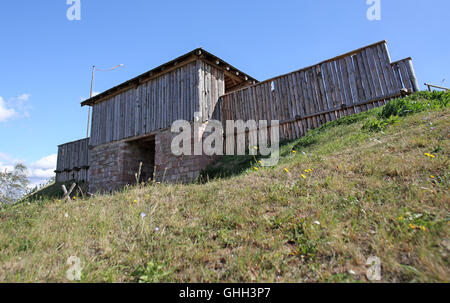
column 405, row 77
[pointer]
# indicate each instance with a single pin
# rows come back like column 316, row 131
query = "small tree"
column 13, row 184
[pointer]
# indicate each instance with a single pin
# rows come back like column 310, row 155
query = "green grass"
column 54, row 190
column 371, row 192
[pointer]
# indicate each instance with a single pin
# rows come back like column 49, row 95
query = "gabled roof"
column 234, row 78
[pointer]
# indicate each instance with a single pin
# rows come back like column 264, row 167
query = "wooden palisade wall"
column 73, row 161
column 312, row 96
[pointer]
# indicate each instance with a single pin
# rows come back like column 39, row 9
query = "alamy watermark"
column 208, row 139
column 374, row 11
column 74, row 11
column 74, row 272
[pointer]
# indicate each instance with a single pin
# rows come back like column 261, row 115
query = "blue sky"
column 45, row 59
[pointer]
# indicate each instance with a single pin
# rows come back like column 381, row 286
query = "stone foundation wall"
column 115, row 164
column 174, row 169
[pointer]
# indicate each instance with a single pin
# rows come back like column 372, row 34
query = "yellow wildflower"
column 255, row 147
column 135, row 201
column 294, row 151
column 303, row 176
column 432, row 177
column 260, row 162
column 430, row 155
column 423, row 228
column 400, row 218
column 255, row 168
column 286, row 170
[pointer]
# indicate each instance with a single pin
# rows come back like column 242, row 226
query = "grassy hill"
column 373, row 184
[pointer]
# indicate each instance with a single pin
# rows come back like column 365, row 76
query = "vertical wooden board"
column 151, row 109
column 209, row 83
column 189, row 93
column 378, row 64
column 328, row 88
column 307, row 111
column 194, row 93
column 168, row 97
column 296, row 91
column 298, row 100
column 397, row 77
column 375, row 76
column 412, row 75
column 359, row 83
column 387, row 69
column 138, row 112
column 214, row 90
column 405, row 76
column 265, row 95
column 313, row 101
column 368, row 76
column 340, row 82
column 127, row 114
column 290, row 100
column 145, row 108
column 347, row 88
column 281, row 100
column 327, row 103
column 114, row 118
column 241, row 104
column 159, row 99
column 186, row 91
column 179, row 107
column 366, row 91
column 111, row 119
column 352, row 82
column 272, row 101
column 245, row 103
column 190, row 86
column 234, row 112
column 294, row 108
column 255, row 101
column 259, row 100
column 205, row 93
column 286, row 99
column 165, row 102
column 130, row 115
column 158, row 106
column 154, row 105
column 264, row 104
column 201, row 89
column 318, row 98
column 334, row 69
column 121, row 117
column 309, row 99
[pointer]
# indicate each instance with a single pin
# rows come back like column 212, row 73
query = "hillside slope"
column 374, row 184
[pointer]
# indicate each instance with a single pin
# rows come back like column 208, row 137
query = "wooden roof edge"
column 72, row 142
column 162, row 69
column 395, row 62
column 308, row 67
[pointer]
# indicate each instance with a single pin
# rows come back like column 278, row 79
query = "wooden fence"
column 307, row 98
column 73, row 161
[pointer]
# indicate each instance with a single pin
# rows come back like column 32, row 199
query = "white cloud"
column 48, row 162
column 39, row 171
column 6, row 113
column 14, row 107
